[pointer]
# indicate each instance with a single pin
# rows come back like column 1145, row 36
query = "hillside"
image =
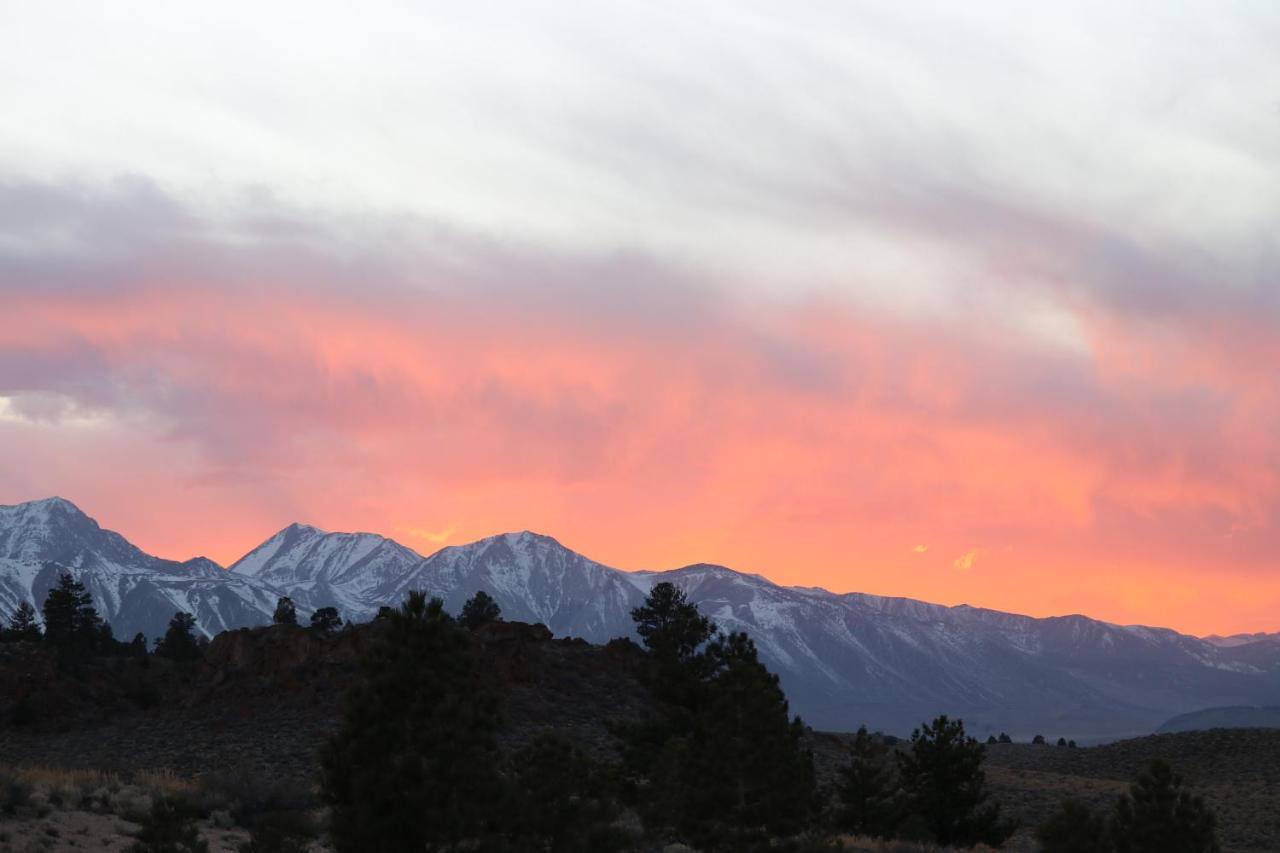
column 263, row 700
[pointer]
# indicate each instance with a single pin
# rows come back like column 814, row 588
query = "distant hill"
column 1231, row 717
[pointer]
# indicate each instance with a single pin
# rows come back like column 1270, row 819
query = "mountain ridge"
column 844, row 658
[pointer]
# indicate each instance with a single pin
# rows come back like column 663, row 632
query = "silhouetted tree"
column 179, row 640
column 871, row 801
column 1075, row 828
column 564, row 801
column 1038, row 740
column 991, row 739
column 1160, row 814
column 414, row 765
column 326, row 620
column 479, row 609
column 286, row 613
column 137, row 646
column 946, row 786
column 670, row 626
column 71, row 623
column 23, row 625
column 1004, row 738
column 1062, row 741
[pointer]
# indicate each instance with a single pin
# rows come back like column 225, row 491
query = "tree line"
column 723, row 767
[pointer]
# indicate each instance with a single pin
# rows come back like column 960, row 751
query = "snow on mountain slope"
column 320, row 569
column 535, row 579
column 844, row 659
column 133, row 590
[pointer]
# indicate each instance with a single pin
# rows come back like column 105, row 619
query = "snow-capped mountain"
column 134, row 591
column 844, row 659
column 354, row 572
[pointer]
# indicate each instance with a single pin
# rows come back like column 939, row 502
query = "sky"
column 973, row 303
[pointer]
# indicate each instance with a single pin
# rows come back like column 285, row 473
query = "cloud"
column 968, row 559
column 399, row 373
column 920, row 549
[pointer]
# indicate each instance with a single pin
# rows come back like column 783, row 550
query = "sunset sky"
column 974, row 303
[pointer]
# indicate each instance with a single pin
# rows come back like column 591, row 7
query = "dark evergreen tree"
column 1075, row 828
column 286, row 613
column 179, row 640
column 1004, row 738
column 413, row 766
column 1038, row 740
column 326, row 620
column 871, row 800
column 741, row 775
column 564, row 800
column 71, row 622
column 946, row 786
column 170, row 827
column 670, row 626
column 991, row 739
column 479, row 609
column 1160, row 814
column 137, row 647
column 23, row 625
column 1062, row 741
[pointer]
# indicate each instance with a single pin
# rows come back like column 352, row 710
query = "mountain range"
column 844, row 659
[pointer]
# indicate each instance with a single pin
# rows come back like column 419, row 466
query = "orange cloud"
column 198, row 398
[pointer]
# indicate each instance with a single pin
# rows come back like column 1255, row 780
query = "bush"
column 326, row 620
column 15, row 793
column 281, row 832
column 250, row 796
column 1074, row 828
column 170, row 827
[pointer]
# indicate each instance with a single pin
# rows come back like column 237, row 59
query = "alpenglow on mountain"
column 844, row 659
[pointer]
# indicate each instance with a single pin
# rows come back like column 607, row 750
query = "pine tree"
column 478, row 610
column 669, row 625
column 946, row 786
column 871, row 801
column 741, row 775
column 286, row 613
column 71, row 622
column 414, row 765
column 564, row 800
column 1075, row 828
column 23, row 624
column 1160, row 814
column 326, row 620
column 179, row 640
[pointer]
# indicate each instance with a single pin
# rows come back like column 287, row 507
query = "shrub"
column 1074, row 828
column 326, row 620
column 281, row 832
column 169, row 827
